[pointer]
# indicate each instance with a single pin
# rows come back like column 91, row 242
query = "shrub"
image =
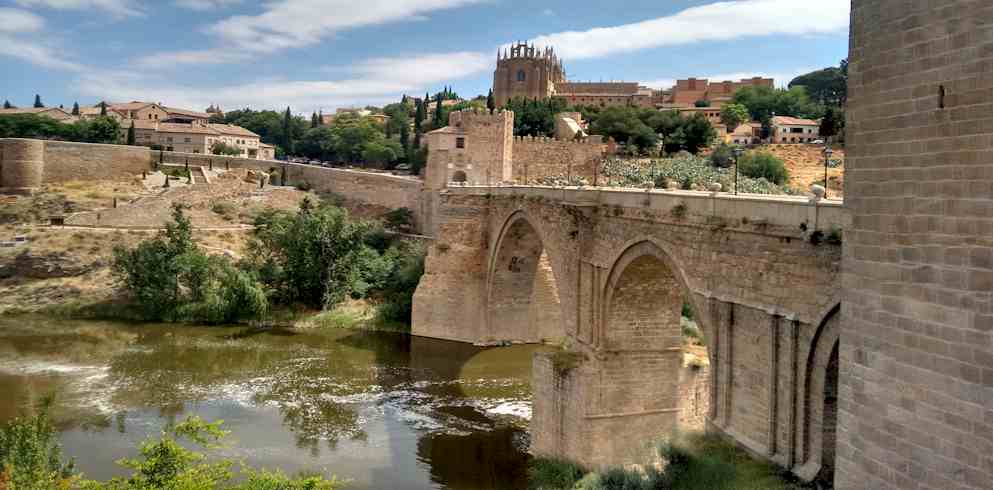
column 722, row 156
column 173, row 280
column 553, row 474
column 30, row 455
column 401, row 220
column 398, row 293
column 763, row 166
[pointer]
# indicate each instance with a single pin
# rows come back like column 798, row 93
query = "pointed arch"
column 820, row 400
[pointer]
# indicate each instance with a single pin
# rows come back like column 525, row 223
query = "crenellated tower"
column 526, row 71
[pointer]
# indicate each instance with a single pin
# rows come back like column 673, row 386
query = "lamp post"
column 827, row 158
column 737, row 155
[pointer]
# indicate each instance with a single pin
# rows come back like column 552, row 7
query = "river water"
column 383, row 410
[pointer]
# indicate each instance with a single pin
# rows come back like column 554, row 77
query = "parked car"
column 817, row 142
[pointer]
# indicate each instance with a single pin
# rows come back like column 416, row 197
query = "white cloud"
column 17, row 21
column 296, row 23
column 782, row 78
column 203, row 5
column 376, row 81
column 720, row 21
column 117, row 8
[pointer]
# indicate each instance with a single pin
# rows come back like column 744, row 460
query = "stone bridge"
column 606, row 274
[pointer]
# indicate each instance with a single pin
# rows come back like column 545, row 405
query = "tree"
column 697, row 133
column 103, row 108
column 491, row 102
column 733, row 115
column 7, row 105
column 222, row 148
column 828, row 86
column 314, row 121
column 288, row 131
column 832, row 122
column 131, row 139
column 763, row 166
column 762, row 102
column 439, row 112
column 702, row 103
column 405, row 134
column 624, row 125
column 37, row 101
column 75, row 108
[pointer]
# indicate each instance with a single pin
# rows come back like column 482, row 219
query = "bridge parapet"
column 782, row 212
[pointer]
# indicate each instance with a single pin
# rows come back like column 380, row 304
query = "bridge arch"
column 820, row 398
column 523, row 302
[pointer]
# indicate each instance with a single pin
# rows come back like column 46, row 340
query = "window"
column 521, row 76
column 196, row 151
column 169, row 139
column 459, row 176
column 149, row 116
column 186, row 140
column 460, row 142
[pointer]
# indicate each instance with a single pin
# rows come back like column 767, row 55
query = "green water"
column 384, row 410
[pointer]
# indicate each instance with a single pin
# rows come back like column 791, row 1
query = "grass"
column 356, row 314
column 695, row 462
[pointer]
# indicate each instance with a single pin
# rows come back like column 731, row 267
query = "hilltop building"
column 526, row 71
column 198, row 137
column 56, row 113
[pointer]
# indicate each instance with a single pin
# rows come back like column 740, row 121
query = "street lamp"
column 737, row 155
column 827, row 158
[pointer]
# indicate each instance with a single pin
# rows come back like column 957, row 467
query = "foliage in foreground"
column 32, row 460
column 317, row 257
column 701, row 462
column 96, row 130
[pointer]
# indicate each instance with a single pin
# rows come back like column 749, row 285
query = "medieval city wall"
column 542, row 158
column 916, row 354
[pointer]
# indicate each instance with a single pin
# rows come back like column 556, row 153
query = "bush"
column 553, row 474
column 398, row 293
column 173, row 280
column 722, row 156
column 760, row 165
column 30, row 455
column 400, row 220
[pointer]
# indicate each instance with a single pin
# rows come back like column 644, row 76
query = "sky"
column 323, row 54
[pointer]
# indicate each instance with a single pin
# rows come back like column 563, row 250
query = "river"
column 383, row 410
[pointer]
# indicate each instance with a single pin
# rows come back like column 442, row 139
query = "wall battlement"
column 594, row 140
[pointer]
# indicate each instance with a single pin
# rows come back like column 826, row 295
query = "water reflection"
column 387, row 410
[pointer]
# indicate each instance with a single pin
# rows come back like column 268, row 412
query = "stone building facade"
column 916, row 354
column 480, row 148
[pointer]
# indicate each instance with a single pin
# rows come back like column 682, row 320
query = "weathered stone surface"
column 44, row 266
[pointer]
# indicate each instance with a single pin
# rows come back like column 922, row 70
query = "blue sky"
column 323, row 54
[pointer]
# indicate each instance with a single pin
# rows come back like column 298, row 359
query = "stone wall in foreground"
column 916, row 356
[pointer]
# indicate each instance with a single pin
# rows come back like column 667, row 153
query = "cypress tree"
column 37, row 101
column 491, row 102
column 314, row 122
column 405, row 134
column 287, row 137
column 131, row 134
column 7, row 105
column 438, row 113
column 103, row 108
column 75, row 108
column 320, row 118
column 419, row 117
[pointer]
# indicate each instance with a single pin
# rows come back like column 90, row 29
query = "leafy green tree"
column 698, row 133
column 702, row 103
column 490, row 102
column 8, row 105
column 311, row 257
column 625, row 126
column 318, row 143
column 763, row 102
column 832, row 122
column 130, row 140
column 30, row 454
column 37, row 101
column 97, row 130
column 761, row 165
column 535, row 117
column 722, row 156
column 733, row 115
column 75, row 108
column 828, row 86
column 222, row 148
column 378, row 153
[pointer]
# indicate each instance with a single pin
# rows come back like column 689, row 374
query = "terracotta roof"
column 184, row 112
column 161, row 127
column 31, row 110
column 793, row 121
column 233, row 130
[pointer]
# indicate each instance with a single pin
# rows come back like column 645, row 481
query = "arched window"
column 521, row 76
column 459, row 176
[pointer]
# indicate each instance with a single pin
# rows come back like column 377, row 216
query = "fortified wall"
column 27, row 164
column 479, row 148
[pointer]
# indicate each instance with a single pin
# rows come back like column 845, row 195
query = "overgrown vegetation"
column 688, row 172
column 95, row 130
column 761, row 165
column 31, row 459
column 697, row 462
column 315, row 258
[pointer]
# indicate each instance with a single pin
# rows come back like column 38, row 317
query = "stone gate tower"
column 915, row 400
column 526, row 71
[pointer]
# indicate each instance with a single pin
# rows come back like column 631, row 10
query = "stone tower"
column 526, row 71
column 915, row 394
column 475, row 148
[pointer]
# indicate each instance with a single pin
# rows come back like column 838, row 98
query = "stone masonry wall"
column 537, row 158
column 66, row 161
column 916, row 356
